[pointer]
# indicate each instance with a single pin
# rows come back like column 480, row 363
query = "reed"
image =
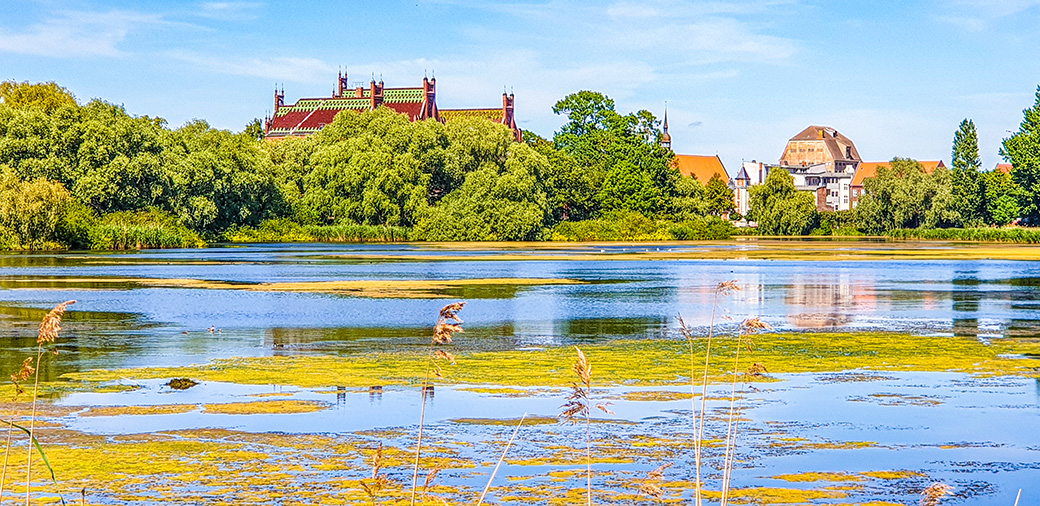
column 722, row 289
column 1006, row 234
column 747, row 328
column 500, row 460
column 933, row 494
column 577, row 406
column 448, row 323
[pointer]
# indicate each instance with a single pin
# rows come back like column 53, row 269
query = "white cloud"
column 229, row 11
column 977, row 15
column 291, row 69
column 76, row 34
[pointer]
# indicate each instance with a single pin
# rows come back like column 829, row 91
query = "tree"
column 622, row 151
column 904, row 196
column 31, row 212
column 493, row 204
column 1002, row 198
column 967, row 183
column 1023, row 151
column 779, row 208
column 718, row 196
column 689, row 201
column 46, row 97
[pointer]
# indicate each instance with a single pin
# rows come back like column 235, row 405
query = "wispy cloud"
column 76, row 34
column 977, row 15
column 292, row 69
column 229, row 11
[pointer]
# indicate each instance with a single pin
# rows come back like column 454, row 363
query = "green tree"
column 904, row 196
column 493, row 204
column 689, row 201
column 31, row 212
column 1002, row 198
column 46, row 97
column 779, row 208
column 967, row 183
column 569, row 186
column 622, row 151
column 1023, row 151
column 718, row 196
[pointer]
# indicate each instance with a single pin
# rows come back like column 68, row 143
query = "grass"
column 285, row 230
column 1017, row 235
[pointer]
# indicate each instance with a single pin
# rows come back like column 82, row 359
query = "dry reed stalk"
column 1017, row 497
column 578, row 404
column 26, row 371
column 934, row 493
column 650, row 485
column 500, row 460
column 747, row 328
column 442, row 334
column 724, row 288
column 49, row 329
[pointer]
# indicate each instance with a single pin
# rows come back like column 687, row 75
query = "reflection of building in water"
column 825, row 300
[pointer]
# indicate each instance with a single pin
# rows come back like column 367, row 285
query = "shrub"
column 142, row 230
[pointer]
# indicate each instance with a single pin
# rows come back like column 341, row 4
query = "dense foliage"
column 93, row 176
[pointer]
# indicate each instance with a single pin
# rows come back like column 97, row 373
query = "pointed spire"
column 666, row 138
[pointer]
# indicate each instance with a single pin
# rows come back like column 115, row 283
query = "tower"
column 666, row 138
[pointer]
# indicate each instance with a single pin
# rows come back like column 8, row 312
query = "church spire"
column 666, row 138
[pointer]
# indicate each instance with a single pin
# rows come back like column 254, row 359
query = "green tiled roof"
column 347, row 103
column 403, row 95
column 490, row 114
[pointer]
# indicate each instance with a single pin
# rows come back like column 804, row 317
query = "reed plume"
column 50, row 326
column 448, row 323
column 933, row 495
column 722, row 289
column 578, row 406
column 747, row 328
column 651, row 484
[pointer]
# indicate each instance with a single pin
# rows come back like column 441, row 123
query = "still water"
column 117, row 323
column 978, row 434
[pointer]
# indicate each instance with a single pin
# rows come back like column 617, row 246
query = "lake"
column 825, row 430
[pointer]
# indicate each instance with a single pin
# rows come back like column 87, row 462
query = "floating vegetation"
column 811, row 477
column 623, row 362
column 280, row 407
column 162, row 409
column 181, row 383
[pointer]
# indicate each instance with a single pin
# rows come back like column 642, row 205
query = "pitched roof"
column 701, row 166
column 1003, row 167
column 868, row 170
column 832, row 139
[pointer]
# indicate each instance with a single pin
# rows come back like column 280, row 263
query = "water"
column 974, row 433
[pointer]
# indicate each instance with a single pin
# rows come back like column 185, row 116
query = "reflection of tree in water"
column 966, row 296
column 826, row 304
column 86, row 336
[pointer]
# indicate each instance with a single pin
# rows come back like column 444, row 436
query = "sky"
column 738, row 77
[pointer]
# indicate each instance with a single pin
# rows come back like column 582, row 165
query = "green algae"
column 623, row 362
column 265, row 407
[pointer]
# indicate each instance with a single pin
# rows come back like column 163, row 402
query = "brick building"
column 309, row 115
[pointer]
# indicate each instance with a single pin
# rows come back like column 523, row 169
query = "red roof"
column 701, row 167
column 869, row 169
column 1003, row 167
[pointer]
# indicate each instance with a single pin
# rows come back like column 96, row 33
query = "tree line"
column 905, row 196
column 93, row 176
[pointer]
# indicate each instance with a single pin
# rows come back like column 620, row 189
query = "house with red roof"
column 1003, row 167
column 310, row 115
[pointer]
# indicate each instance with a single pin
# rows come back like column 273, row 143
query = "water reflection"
column 118, row 323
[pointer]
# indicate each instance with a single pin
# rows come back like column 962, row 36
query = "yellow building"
column 824, row 145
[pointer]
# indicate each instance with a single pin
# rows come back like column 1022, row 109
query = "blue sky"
column 740, row 77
